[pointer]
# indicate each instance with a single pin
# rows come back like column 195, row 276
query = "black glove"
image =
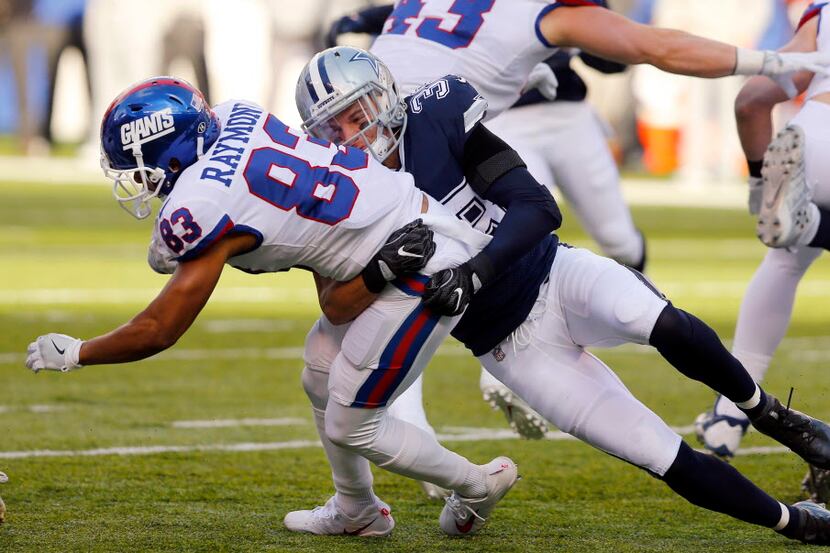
column 449, row 291
column 407, row 250
column 367, row 21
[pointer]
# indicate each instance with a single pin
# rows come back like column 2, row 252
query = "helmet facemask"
column 381, row 121
column 134, row 188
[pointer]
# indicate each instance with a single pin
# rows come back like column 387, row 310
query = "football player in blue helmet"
column 149, row 135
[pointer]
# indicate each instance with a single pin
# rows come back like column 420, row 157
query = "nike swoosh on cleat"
column 403, row 253
column 59, row 350
column 359, row 530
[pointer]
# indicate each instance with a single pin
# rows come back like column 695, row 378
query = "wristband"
column 749, row 62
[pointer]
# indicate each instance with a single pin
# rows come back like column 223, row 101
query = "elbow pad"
column 487, row 158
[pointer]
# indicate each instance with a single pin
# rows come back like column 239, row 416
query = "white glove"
column 54, row 352
column 756, row 188
column 780, row 66
column 543, row 79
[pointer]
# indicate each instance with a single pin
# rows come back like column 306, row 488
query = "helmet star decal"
column 362, row 56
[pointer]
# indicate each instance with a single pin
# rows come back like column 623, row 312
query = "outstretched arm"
column 612, row 36
column 153, row 330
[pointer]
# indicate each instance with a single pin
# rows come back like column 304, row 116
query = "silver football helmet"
column 345, row 83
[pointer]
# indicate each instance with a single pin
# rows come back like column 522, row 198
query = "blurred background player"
column 790, row 191
column 496, row 45
column 3, row 480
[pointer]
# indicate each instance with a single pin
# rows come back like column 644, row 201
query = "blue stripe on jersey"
column 222, row 227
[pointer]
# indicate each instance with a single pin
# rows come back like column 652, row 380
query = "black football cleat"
column 817, row 484
column 809, row 438
column 813, row 524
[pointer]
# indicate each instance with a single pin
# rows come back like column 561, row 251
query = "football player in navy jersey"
column 497, row 46
column 532, row 307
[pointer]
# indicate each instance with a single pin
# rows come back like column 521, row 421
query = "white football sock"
column 351, row 473
column 765, row 314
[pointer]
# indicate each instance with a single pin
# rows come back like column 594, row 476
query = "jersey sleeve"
column 813, row 10
column 563, row 4
column 453, row 106
column 184, row 230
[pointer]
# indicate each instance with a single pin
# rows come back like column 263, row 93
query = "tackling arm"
column 342, row 302
column 156, row 328
column 496, row 172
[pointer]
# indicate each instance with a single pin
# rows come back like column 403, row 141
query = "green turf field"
column 73, row 262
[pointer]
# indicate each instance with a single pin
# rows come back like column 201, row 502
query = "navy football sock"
column 694, row 349
column 822, row 237
column 708, row 482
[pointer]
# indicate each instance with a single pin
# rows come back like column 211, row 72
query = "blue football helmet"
column 150, row 133
column 339, row 78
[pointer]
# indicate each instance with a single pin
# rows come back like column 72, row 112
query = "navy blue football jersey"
column 441, row 116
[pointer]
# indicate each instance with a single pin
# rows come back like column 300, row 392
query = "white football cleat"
column 720, row 434
column 329, row 520
column 463, row 516
column 434, row 491
column 521, row 417
column 785, row 204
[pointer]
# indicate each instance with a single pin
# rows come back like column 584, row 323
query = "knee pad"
column 674, row 329
column 350, row 427
column 316, row 386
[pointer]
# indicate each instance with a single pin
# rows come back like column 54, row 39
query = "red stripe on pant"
column 398, row 358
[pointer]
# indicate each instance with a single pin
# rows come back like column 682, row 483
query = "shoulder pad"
column 450, row 99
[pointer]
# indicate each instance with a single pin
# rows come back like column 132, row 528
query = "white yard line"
column 35, row 408
column 259, row 294
column 230, row 294
column 230, row 423
column 474, row 435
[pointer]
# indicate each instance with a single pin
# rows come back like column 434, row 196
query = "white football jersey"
column 820, row 83
column 309, row 203
column 494, row 44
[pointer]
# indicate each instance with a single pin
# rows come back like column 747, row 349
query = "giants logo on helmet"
column 147, row 128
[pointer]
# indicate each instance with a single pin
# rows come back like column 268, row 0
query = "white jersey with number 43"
column 494, row 44
column 308, row 202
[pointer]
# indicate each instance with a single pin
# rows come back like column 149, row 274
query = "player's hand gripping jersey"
column 309, row 203
column 493, row 43
column 441, row 116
